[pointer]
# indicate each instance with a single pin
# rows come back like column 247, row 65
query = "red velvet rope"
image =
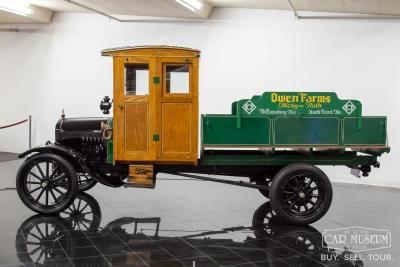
column 14, row 124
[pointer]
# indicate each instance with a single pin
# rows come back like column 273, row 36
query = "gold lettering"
column 328, row 99
column 303, row 97
column 274, row 97
column 300, row 98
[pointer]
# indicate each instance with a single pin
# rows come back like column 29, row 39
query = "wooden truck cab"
column 155, row 105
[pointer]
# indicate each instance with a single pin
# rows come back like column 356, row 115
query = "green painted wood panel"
column 373, row 131
column 306, row 131
column 292, row 131
column 222, row 130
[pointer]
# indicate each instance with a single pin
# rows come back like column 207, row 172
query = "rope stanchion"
column 14, row 124
column 29, row 120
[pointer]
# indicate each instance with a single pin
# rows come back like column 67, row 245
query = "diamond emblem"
column 249, row 107
column 349, row 107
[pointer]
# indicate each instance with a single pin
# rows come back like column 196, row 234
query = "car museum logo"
column 349, row 107
column 249, row 107
column 356, row 239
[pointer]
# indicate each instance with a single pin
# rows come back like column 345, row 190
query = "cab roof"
column 109, row 51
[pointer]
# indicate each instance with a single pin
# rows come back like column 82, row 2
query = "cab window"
column 136, row 79
column 177, row 78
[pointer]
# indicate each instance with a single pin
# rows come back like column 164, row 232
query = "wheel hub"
column 302, row 195
column 44, row 184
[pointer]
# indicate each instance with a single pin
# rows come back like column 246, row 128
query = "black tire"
column 60, row 180
column 263, row 218
column 300, row 194
column 39, row 238
column 85, row 182
column 84, row 214
column 304, row 239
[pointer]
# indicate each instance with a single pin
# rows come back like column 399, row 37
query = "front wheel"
column 300, row 194
column 47, row 183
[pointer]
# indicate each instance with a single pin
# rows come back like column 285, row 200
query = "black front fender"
column 51, row 148
column 76, row 160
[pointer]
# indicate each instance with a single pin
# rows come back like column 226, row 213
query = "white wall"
column 245, row 52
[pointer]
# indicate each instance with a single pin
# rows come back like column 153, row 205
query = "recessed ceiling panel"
column 21, row 13
column 10, row 18
column 376, row 7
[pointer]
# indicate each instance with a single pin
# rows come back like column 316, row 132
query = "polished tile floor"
column 190, row 223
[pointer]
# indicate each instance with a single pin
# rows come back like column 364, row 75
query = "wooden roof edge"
column 109, row 51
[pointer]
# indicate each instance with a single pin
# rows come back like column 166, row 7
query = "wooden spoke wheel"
column 263, row 218
column 304, row 239
column 85, row 182
column 83, row 214
column 300, row 193
column 47, row 183
column 43, row 240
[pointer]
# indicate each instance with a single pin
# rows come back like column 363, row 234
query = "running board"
column 223, row 181
column 151, row 186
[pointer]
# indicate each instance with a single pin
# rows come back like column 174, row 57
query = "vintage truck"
column 276, row 139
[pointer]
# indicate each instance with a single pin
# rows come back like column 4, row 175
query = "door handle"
column 121, row 107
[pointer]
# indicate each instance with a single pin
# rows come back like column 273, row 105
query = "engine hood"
column 81, row 124
column 70, row 132
column 84, row 135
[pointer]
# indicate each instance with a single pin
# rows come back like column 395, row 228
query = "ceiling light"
column 191, row 4
column 15, row 7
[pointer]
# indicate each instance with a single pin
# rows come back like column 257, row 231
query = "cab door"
column 134, row 108
column 177, row 109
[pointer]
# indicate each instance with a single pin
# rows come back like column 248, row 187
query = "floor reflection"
column 76, row 238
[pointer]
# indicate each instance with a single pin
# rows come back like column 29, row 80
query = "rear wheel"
column 300, row 194
column 47, row 183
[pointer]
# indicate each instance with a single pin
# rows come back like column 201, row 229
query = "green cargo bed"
column 262, row 123
column 221, row 130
